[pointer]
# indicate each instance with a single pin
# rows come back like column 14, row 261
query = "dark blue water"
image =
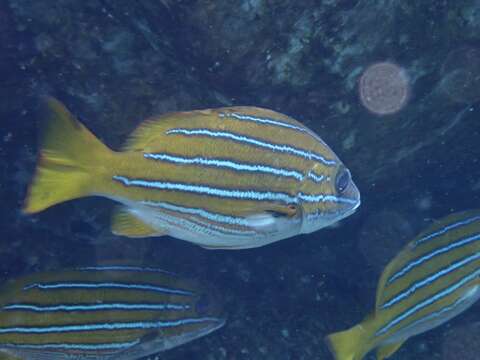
column 115, row 63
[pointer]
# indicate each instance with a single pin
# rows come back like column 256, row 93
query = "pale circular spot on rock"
column 384, row 88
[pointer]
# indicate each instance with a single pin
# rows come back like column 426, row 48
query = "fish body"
column 433, row 279
column 104, row 313
column 227, row 178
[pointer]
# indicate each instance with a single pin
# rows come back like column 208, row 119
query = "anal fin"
column 386, row 351
column 125, row 223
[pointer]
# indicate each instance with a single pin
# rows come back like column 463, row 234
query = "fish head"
column 327, row 195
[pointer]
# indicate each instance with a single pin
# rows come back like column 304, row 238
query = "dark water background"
column 115, row 63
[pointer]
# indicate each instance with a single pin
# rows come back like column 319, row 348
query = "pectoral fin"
column 125, row 223
column 388, row 350
column 263, row 218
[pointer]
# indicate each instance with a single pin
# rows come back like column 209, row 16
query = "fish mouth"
column 352, row 199
column 354, row 208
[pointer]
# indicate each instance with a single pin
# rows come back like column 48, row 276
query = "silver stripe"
column 269, row 121
column 430, row 279
column 200, row 227
column 206, row 190
column 282, row 148
column 428, row 302
column 108, row 285
column 106, row 326
column 429, row 256
column 59, row 346
column 211, row 216
column 446, row 229
column 95, row 307
column 262, row 120
column 228, row 164
column 232, row 193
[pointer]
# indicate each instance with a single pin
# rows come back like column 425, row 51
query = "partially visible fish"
column 433, row 279
column 103, row 312
column 229, row 178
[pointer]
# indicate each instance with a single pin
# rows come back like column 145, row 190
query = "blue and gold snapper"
column 433, row 279
column 227, row 178
column 103, row 312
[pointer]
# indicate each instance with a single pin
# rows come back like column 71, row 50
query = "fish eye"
column 342, row 180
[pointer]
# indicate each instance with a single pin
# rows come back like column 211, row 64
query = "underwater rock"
column 461, row 75
column 115, row 63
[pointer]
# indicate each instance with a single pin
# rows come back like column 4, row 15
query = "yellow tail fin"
column 349, row 344
column 66, row 160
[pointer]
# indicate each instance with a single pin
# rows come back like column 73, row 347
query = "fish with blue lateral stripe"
column 226, row 178
column 433, row 279
column 103, row 312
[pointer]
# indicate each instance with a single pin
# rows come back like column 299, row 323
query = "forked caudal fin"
column 66, row 159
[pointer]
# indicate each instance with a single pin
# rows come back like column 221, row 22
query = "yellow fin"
column 152, row 131
column 348, row 344
column 386, row 351
column 65, row 160
column 151, row 135
column 143, row 135
column 124, row 223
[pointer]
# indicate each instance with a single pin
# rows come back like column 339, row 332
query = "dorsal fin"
column 142, row 135
column 149, row 134
column 152, row 131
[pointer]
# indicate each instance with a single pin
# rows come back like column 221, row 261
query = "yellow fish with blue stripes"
column 433, row 279
column 103, row 312
column 227, row 178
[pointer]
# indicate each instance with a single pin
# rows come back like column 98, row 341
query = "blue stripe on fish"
column 226, row 164
column 66, row 346
column 206, row 190
column 317, row 198
column 317, row 178
column 107, row 285
column 446, row 229
column 455, row 245
column 436, row 314
column 94, row 307
column 282, row 148
column 104, row 326
column 442, row 272
column 440, row 295
column 233, row 193
column 262, row 120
